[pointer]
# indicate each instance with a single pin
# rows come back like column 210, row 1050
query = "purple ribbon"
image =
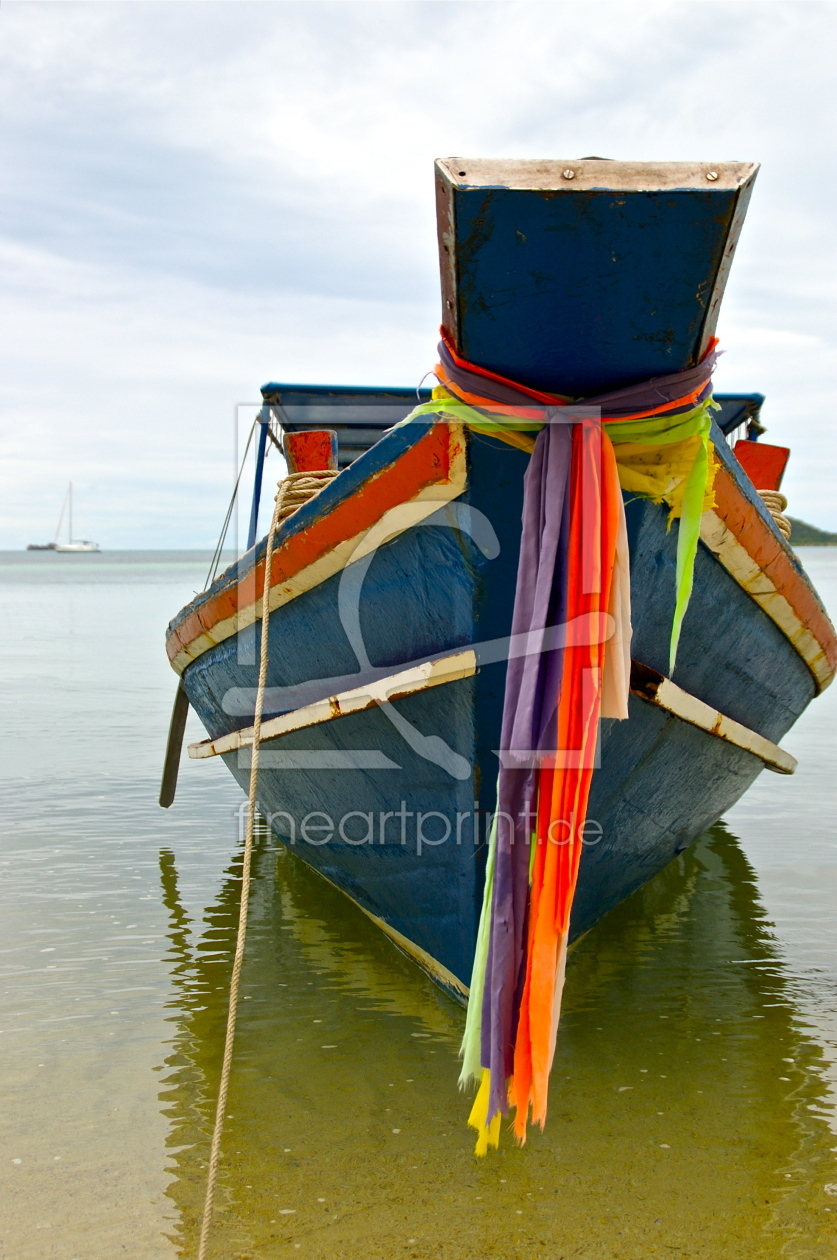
column 532, row 686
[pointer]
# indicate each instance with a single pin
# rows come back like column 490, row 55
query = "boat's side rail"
column 752, row 550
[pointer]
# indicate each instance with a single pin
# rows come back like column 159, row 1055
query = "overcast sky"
column 200, row 197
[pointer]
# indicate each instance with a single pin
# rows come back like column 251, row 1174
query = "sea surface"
column 693, row 1097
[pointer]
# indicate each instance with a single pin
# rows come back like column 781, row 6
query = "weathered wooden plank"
column 661, row 691
column 395, row 687
column 645, row 682
column 582, row 276
column 174, row 746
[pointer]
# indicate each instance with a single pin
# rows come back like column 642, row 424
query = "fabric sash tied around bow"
column 650, row 439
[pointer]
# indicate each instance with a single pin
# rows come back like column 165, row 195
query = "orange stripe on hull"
column 769, row 554
column 735, row 532
column 425, row 464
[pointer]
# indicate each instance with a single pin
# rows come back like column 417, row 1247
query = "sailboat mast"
column 60, row 519
column 70, row 516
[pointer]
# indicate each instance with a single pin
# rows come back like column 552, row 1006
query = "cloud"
column 202, row 197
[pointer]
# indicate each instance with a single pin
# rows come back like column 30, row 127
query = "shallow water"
column 692, row 1109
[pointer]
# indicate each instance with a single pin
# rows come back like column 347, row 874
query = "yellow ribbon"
column 487, row 1134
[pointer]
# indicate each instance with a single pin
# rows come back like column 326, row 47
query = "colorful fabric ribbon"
column 650, row 439
column 659, row 428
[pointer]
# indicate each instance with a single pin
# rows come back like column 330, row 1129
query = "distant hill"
column 805, row 535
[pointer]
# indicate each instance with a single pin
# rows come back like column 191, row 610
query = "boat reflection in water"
column 690, row 1112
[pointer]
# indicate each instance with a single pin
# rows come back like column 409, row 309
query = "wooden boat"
column 391, row 591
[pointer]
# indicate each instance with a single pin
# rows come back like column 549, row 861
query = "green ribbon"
column 471, row 1048
column 665, row 431
column 469, row 415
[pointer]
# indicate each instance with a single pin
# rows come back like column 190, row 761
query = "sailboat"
column 73, row 545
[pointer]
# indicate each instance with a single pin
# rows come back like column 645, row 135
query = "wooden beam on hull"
column 394, row 687
column 645, row 683
column 662, row 692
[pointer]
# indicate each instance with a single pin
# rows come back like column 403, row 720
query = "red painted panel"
column 763, row 464
column 312, row 451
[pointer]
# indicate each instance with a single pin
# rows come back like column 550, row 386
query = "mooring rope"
column 298, row 488
column 776, row 504
column 220, row 1112
column 216, row 555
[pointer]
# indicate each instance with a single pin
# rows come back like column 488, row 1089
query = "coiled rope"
column 220, row 1111
column 298, row 488
column 776, row 504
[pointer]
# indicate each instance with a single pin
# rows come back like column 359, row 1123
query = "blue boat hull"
column 403, row 836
